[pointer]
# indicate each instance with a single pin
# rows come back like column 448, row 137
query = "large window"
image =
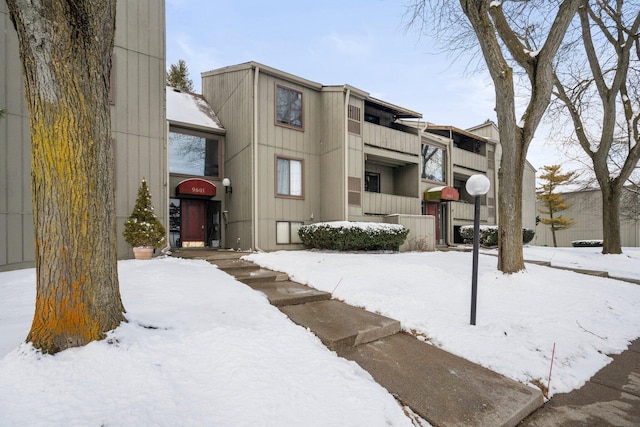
column 193, row 153
column 433, row 163
column 288, row 107
column 289, row 177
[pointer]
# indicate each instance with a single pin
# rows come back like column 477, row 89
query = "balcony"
column 386, row 204
column 468, row 159
column 461, row 211
column 390, row 139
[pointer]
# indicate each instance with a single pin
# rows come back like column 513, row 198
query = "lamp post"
column 477, row 185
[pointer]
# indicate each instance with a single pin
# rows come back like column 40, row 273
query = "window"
column 372, row 182
column 288, row 107
column 287, row 232
column 289, row 177
column 433, row 163
column 193, row 153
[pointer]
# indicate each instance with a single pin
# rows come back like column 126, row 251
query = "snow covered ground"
column 200, row 349
column 519, row 317
column 203, row 349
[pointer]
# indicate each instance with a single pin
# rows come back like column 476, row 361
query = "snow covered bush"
column 586, row 243
column 143, row 228
column 353, row 236
column 489, row 234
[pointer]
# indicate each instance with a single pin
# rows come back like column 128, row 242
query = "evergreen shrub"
column 143, row 228
column 489, row 234
column 353, row 236
column 586, row 243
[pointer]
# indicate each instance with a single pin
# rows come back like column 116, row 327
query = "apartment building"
column 298, row 152
column 138, row 126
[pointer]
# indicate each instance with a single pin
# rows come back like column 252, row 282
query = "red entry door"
column 432, row 209
column 193, row 220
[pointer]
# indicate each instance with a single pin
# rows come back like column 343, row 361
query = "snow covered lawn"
column 203, row 349
column 200, row 349
column 519, row 317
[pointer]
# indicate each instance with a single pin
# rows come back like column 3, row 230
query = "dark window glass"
column 433, row 163
column 192, row 154
column 372, row 182
column 288, row 107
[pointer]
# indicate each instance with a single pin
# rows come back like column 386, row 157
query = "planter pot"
column 143, row 252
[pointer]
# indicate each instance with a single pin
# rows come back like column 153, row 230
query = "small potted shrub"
column 142, row 230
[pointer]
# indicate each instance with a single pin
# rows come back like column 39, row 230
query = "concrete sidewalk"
column 609, row 398
column 440, row 387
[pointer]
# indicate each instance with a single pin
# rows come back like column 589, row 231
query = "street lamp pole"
column 477, row 186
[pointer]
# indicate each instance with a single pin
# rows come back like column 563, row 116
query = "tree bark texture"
column 65, row 48
column 489, row 23
column 612, row 241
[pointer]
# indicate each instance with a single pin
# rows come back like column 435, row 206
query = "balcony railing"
column 390, row 139
column 387, row 204
column 469, row 160
column 464, row 211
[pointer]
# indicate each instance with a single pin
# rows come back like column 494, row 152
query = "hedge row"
column 489, row 234
column 586, row 243
column 353, row 236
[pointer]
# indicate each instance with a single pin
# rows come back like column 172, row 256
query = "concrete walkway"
column 442, row 388
column 610, row 398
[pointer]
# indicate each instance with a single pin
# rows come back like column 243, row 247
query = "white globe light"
column 477, row 185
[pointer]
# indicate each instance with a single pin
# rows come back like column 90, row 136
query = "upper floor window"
column 193, row 153
column 289, row 177
column 288, row 107
column 433, row 165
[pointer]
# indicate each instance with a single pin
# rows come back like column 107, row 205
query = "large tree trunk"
column 611, row 242
column 510, row 175
column 65, row 48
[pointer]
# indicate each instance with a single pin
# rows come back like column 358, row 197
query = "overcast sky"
column 364, row 43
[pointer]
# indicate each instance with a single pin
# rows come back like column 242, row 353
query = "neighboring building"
column 585, row 208
column 299, row 152
column 138, row 126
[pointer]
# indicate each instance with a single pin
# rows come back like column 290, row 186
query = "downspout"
column 346, row 155
column 256, row 76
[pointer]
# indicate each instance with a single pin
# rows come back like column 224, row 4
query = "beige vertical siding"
column 422, row 231
column 138, row 126
column 586, row 210
column 16, row 219
column 230, row 95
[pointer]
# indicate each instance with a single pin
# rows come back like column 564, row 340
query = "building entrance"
column 195, row 223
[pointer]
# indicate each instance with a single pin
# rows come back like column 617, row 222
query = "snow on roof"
column 189, row 108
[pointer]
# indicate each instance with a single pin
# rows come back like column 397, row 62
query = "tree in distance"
column 554, row 202
column 178, row 76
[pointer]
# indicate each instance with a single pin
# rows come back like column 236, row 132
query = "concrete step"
column 235, row 266
column 207, row 254
column 260, row 275
column 444, row 389
column 340, row 326
column 288, row 293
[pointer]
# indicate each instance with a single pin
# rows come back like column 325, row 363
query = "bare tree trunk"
column 612, row 242
column 65, row 48
column 489, row 23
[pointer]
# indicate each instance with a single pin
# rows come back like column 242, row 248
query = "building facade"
column 138, row 126
column 299, row 152
column 585, row 208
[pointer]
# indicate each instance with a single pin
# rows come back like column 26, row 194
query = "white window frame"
column 287, row 232
column 287, row 170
